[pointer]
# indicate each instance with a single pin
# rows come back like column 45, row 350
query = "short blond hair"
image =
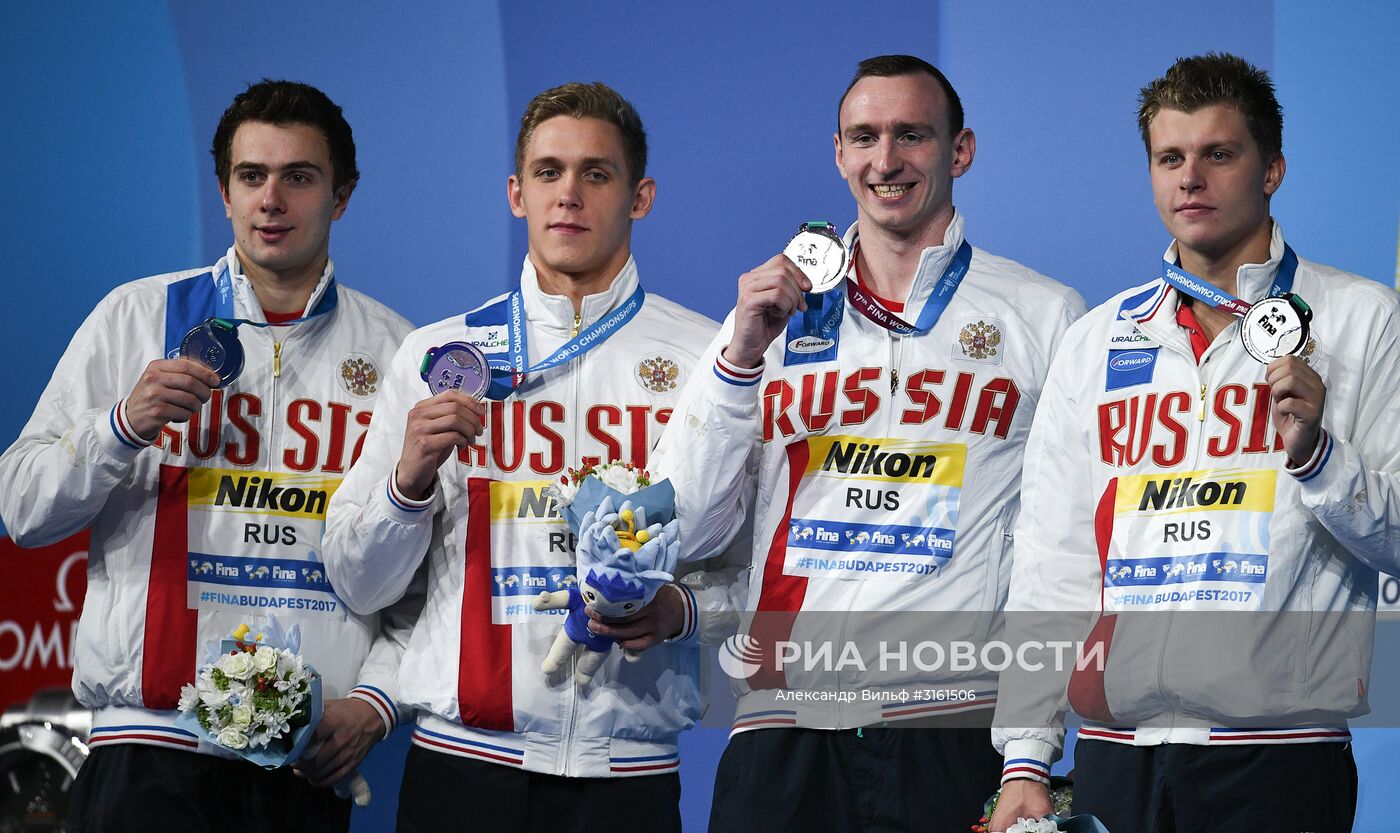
column 586, row 101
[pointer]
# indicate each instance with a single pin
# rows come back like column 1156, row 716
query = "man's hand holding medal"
column 816, row 260
column 458, row 377
column 1298, row 396
column 169, row 390
column 1274, row 331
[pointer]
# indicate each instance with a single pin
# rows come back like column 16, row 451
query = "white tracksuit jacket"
column 219, row 521
column 1154, row 484
column 882, row 477
column 492, row 540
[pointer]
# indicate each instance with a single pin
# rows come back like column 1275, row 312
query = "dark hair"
column 1216, row 78
column 287, row 102
column 586, row 101
column 888, row 66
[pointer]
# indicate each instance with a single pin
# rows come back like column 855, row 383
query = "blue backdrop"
column 109, row 112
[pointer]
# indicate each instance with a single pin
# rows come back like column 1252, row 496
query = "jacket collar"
column 245, row 299
column 932, row 261
column 556, row 312
column 1155, row 311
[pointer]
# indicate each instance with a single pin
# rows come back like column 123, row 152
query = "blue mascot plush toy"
column 622, row 563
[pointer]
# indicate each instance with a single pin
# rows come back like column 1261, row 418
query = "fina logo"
column 739, row 656
column 810, row 344
column 1132, row 360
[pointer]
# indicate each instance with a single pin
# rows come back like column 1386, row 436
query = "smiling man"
column 154, row 450
column 1238, row 607
column 875, row 433
column 586, row 368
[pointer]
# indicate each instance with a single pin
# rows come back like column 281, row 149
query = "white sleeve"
column 76, row 447
column 1055, row 575
column 710, row 451
column 718, row 591
column 379, row 674
column 1351, row 484
column 375, row 537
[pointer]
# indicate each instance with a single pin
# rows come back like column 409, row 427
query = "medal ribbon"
column 822, row 318
column 933, row 309
column 223, row 304
column 1203, row 291
column 517, row 349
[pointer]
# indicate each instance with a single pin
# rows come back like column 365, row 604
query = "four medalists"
column 894, row 436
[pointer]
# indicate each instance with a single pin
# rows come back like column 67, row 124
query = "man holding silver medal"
column 868, row 403
column 1219, row 440
column 197, row 423
column 481, row 413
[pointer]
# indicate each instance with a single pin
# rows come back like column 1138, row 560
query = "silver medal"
column 456, row 366
column 214, row 344
column 1275, row 327
column 821, row 254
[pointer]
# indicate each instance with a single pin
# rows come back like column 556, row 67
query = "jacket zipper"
column 885, row 429
column 275, row 424
column 1196, row 442
column 896, row 356
column 573, row 370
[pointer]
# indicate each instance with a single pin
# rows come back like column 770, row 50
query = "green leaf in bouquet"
column 265, row 700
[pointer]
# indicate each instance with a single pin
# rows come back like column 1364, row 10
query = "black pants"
column 446, row 793
column 1176, row 788
column 131, row 787
column 873, row 781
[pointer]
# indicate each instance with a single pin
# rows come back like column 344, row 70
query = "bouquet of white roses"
column 580, row 491
column 258, row 700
